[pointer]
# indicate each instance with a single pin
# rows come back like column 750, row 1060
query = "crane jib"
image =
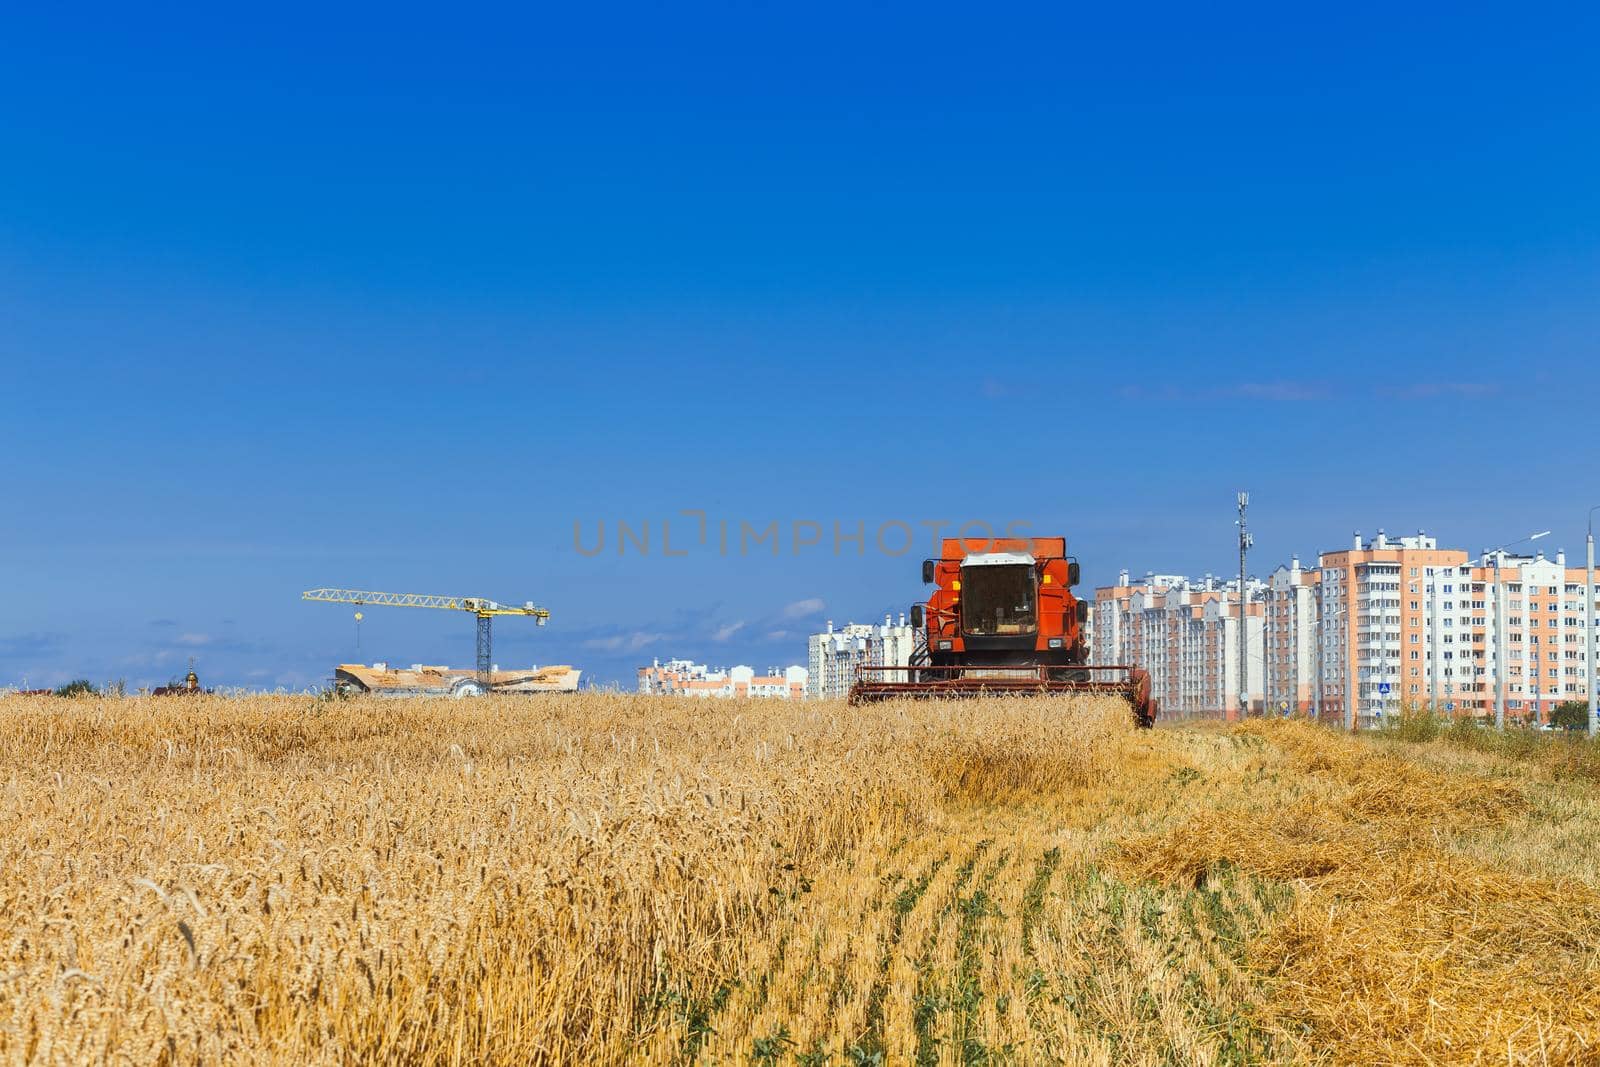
column 484, row 608
column 477, row 605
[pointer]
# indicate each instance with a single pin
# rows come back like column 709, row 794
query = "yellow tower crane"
column 483, row 608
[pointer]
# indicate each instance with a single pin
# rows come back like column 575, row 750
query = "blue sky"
column 392, row 297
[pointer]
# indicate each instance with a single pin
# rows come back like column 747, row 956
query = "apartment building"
column 1186, row 633
column 681, row 677
column 1531, row 625
column 1381, row 624
column 1407, row 624
column 834, row 655
column 1289, row 662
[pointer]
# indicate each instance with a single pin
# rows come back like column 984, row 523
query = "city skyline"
column 779, row 638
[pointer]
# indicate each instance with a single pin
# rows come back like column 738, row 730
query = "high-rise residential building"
column 1186, row 633
column 1427, row 623
column 1383, row 626
column 1544, row 626
column 681, row 677
column 834, row 654
column 1381, row 623
column 1289, row 661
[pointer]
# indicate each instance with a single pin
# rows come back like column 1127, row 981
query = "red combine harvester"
column 1003, row 620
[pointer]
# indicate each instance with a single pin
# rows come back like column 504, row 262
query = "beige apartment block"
column 1185, row 632
column 1426, row 622
column 1374, row 623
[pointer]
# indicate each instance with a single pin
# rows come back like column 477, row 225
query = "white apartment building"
column 834, row 654
column 1289, row 661
column 681, row 677
column 1543, row 636
column 1405, row 624
column 1185, row 632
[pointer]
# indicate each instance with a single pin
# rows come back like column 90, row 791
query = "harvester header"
column 1002, row 618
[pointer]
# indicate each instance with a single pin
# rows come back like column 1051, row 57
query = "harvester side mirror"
column 1083, row 609
column 916, row 616
column 1073, row 575
column 927, row 572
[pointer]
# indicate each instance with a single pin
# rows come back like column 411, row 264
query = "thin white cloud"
column 1283, row 391
column 722, row 633
column 801, row 608
column 1280, row 391
column 194, row 640
column 1294, row 391
column 630, row 642
column 1429, row 390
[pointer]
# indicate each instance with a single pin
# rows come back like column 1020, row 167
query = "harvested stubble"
column 571, row 880
column 1397, row 950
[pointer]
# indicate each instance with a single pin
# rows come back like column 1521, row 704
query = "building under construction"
column 424, row 681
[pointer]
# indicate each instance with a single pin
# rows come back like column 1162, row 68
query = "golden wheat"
column 619, row 879
column 555, row 880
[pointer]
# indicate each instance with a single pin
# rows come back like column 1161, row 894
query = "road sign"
column 1383, row 689
column 1450, row 706
column 1283, row 705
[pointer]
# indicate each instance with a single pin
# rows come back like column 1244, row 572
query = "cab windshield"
column 998, row 600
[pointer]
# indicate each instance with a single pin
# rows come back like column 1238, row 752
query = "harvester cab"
column 1002, row 618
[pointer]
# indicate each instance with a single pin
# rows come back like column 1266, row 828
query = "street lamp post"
column 1588, row 611
column 1500, row 630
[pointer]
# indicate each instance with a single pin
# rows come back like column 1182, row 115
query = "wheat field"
column 611, row 879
